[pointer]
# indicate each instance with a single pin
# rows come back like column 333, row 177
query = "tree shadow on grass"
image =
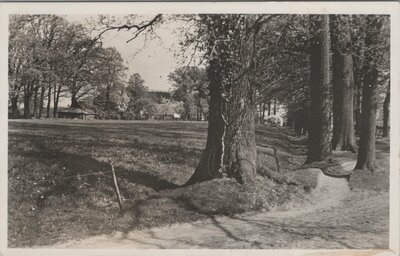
column 166, row 153
column 185, row 203
column 298, row 230
column 303, row 230
column 73, row 166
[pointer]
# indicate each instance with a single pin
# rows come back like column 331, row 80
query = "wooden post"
column 116, row 187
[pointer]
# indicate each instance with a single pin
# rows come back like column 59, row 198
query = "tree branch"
column 138, row 28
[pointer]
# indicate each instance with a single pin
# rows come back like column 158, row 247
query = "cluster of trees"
column 52, row 59
column 190, row 87
column 322, row 67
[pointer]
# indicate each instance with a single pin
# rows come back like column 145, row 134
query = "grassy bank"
column 61, row 188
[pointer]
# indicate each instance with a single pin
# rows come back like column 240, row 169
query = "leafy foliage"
column 190, row 87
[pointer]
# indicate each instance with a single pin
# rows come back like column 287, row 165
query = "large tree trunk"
column 319, row 147
column 386, row 112
column 366, row 154
column 210, row 162
column 343, row 86
column 337, row 76
column 231, row 148
column 74, row 101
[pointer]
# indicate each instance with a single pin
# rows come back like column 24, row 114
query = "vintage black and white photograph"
column 199, row 130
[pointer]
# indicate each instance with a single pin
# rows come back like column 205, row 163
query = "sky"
column 153, row 59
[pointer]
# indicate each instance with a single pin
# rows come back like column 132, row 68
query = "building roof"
column 159, row 95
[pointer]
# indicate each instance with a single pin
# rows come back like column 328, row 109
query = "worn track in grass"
column 334, row 217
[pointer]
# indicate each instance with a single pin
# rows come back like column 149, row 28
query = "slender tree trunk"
column 366, row 154
column 198, row 113
column 56, row 100
column 231, row 148
column 48, row 102
column 269, row 108
column 35, row 102
column 319, row 148
column 263, row 113
column 41, row 100
column 14, row 106
column 27, row 105
column 386, row 111
column 275, row 107
column 343, row 86
column 357, row 112
column 108, row 100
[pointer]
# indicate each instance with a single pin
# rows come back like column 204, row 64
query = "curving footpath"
column 332, row 218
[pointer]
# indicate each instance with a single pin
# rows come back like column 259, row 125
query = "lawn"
column 59, row 177
column 61, row 187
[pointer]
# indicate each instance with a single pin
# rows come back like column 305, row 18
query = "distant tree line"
column 52, row 59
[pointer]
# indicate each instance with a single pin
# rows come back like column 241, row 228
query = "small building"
column 76, row 113
column 176, row 116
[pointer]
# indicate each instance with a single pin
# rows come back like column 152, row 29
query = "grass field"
column 60, row 183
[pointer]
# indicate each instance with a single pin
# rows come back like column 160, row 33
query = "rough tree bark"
column 319, row 147
column 210, row 162
column 366, row 154
column 231, row 148
column 386, row 112
column 343, row 85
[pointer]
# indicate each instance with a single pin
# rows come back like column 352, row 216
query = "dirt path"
column 334, row 217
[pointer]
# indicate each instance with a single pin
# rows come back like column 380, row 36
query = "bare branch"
column 138, row 28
